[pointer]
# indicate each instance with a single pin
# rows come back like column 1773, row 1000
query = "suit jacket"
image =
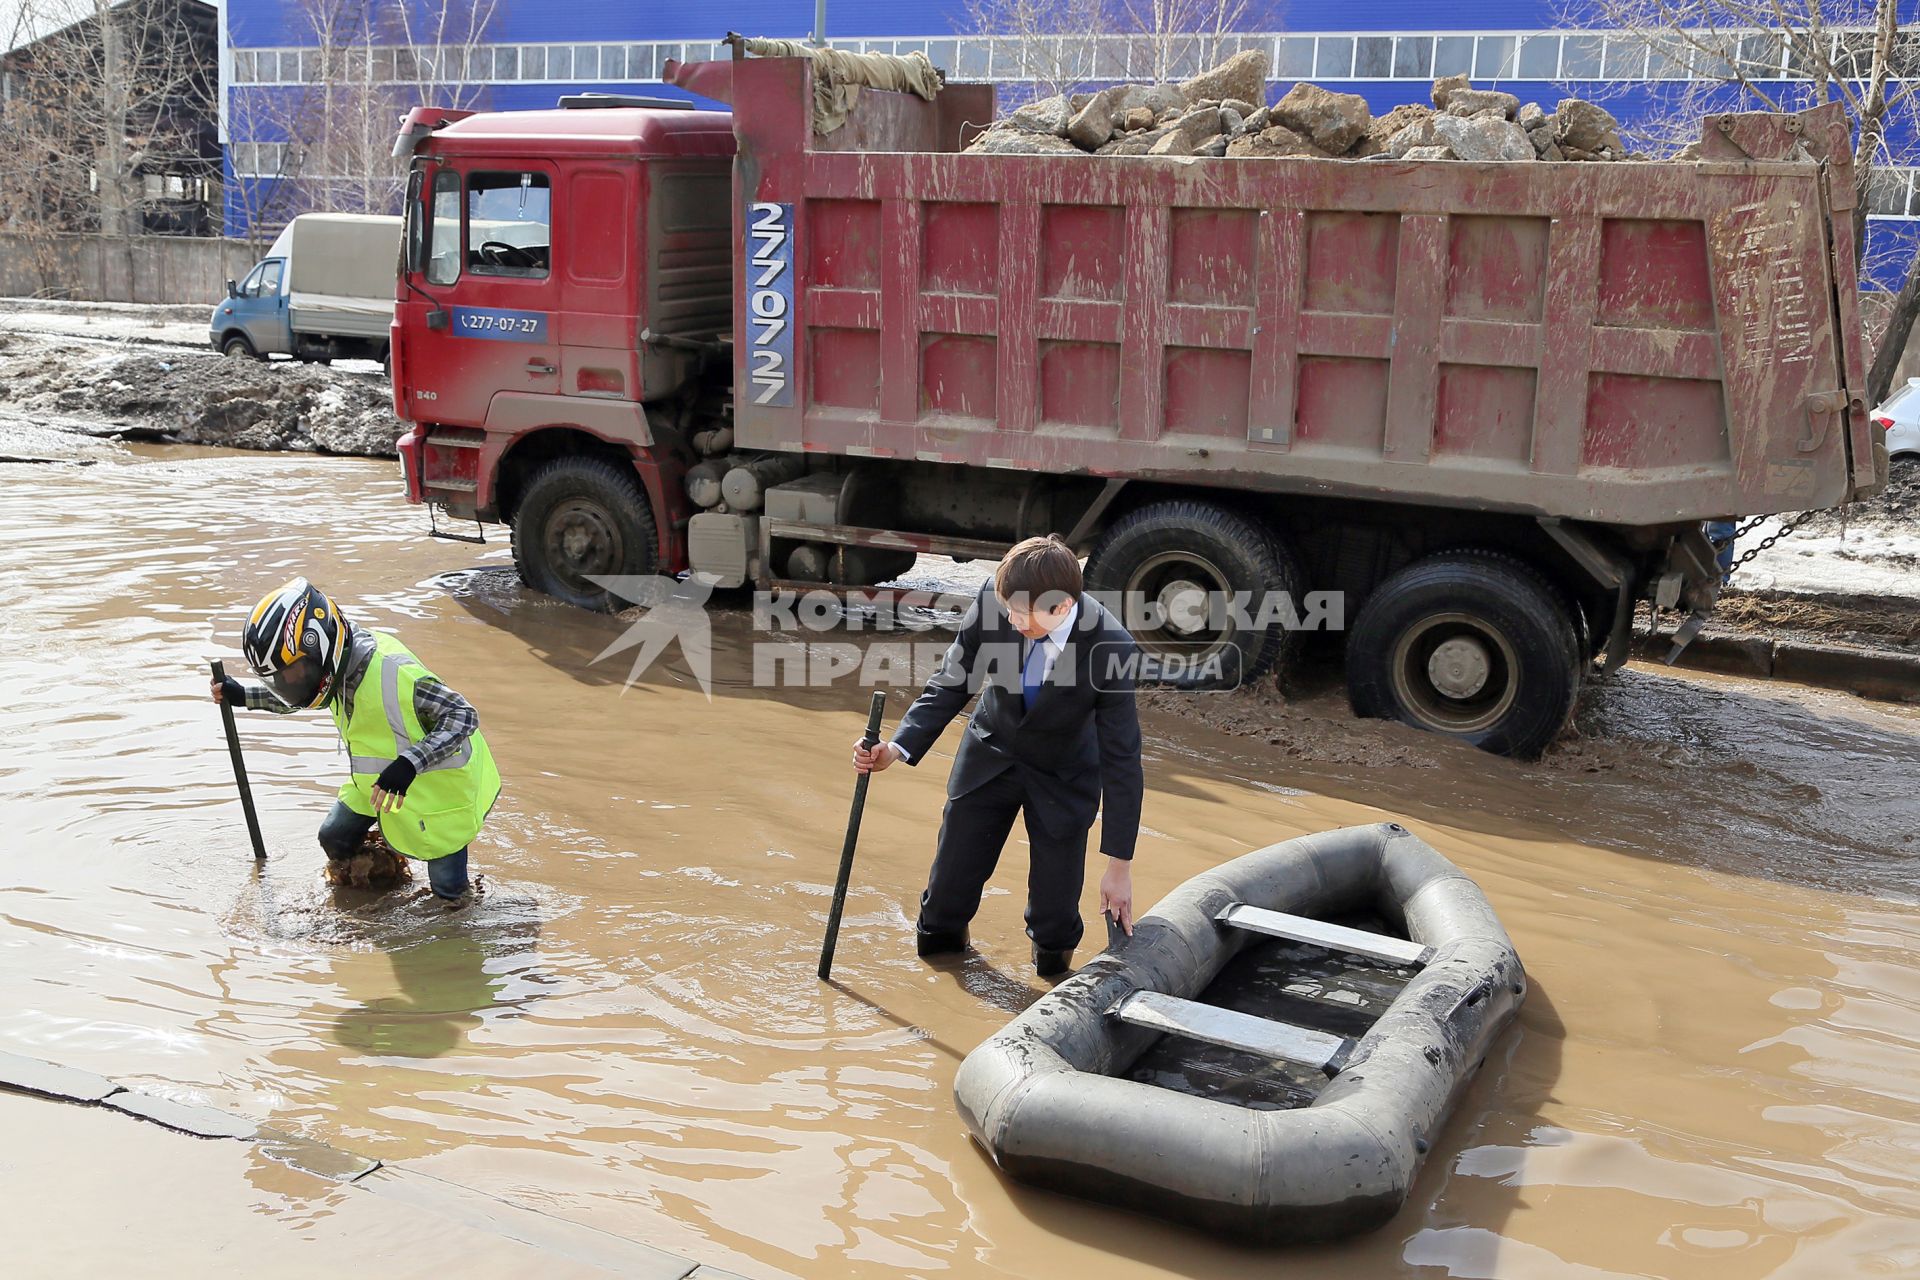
column 1077, row 750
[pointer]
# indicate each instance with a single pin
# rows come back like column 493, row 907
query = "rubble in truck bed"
column 1225, row 113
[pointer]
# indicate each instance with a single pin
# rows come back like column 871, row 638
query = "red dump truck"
column 1492, row 404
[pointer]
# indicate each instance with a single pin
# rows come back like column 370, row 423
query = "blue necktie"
column 1031, row 674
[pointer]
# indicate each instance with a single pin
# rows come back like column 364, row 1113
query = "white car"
column 1899, row 413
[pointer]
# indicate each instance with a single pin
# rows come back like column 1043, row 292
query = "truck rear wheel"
column 1192, row 579
column 581, row 519
column 1473, row 644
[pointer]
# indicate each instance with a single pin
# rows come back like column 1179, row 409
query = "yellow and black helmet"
column 294, row 641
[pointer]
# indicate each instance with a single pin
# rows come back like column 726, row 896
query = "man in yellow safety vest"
column 420, row 767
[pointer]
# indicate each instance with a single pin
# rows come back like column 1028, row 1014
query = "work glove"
column 232, row 692
column 392, row 785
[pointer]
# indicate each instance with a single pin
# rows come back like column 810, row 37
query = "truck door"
column 486, row 262
column 261, row 308
column 599, row 352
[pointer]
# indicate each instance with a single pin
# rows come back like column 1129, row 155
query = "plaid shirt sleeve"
column 448, row 718
column 260, row 698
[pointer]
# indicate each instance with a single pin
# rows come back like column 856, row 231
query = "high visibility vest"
column 448, row 800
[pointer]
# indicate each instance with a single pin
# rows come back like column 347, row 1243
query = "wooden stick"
column 871, row 740
column 240, row 770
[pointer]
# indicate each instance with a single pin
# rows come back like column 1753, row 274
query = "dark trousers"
column 972, row 831
column 343, row 830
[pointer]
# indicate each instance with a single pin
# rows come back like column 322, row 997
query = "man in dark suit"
column 1055, row 737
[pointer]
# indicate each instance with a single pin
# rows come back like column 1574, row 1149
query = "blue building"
column 518, row 54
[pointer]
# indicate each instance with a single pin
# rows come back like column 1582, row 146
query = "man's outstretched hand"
column 1116, row 893
column 230, row 692
column 875, row 758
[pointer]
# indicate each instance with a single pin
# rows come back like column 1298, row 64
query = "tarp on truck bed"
column 340, row 257
column 838, row 76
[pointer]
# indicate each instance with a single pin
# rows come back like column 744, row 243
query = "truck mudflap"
column 1610, row 571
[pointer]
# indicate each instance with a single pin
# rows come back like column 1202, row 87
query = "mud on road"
column 139, row 392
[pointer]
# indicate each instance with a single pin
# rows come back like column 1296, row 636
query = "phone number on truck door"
column 500, row 325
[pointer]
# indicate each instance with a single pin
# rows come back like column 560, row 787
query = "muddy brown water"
column 1712, row 887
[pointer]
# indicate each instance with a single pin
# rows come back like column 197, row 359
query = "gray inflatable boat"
column 1270, row 1054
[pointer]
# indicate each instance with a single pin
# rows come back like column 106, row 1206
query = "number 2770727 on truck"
column 1490, row 404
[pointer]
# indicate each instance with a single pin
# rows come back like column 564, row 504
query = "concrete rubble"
column 1225, row 112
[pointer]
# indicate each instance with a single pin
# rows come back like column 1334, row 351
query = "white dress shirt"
column 1055, row 642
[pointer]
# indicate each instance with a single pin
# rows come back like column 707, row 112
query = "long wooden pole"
column 240, row 769
column 871, row 739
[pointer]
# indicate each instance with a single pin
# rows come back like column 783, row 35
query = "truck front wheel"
column 236, row 346
column 1197, row 585
column 582, row 519
column 1474, row 644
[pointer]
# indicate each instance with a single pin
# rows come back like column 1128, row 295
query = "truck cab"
column 566, row 279
column 252, row 321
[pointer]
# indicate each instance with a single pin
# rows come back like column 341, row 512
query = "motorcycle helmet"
column 294, row 641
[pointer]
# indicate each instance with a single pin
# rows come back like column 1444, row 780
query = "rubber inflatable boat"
column 1270, row 1054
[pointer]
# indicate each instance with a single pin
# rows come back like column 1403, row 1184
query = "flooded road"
column 1717, row 1072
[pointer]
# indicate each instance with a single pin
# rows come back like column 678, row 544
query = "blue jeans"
column 343, row 830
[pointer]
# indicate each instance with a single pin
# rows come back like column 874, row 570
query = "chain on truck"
column 1492, row 404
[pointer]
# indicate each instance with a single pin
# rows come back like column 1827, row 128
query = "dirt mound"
column 1896, row 506
column 376, row 866
column 205, row 399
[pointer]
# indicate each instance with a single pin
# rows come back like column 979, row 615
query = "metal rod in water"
column 853, row 835
column 240, row 770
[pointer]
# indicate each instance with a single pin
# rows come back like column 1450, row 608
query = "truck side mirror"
column 233, row 290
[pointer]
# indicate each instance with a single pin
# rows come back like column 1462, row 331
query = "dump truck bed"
column 1625, row 343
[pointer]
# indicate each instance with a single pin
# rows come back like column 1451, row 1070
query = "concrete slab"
column 1887, row 676
column 202, row 1122
column 209, row 1209
column 30, row 1075
column 550, row 1235
column 316, row 1158
column 1729, row 655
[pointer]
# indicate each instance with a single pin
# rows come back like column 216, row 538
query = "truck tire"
column 1165, row 553
column 236, row 346
column 582, row 518
column 1474, row 644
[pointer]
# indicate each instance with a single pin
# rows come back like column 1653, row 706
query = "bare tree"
column 1060, row 46
column 105, row 103
column 264, row 193
column 1051, row 60
column 1711, row 56
column 1176, row 39
column 362, row 65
